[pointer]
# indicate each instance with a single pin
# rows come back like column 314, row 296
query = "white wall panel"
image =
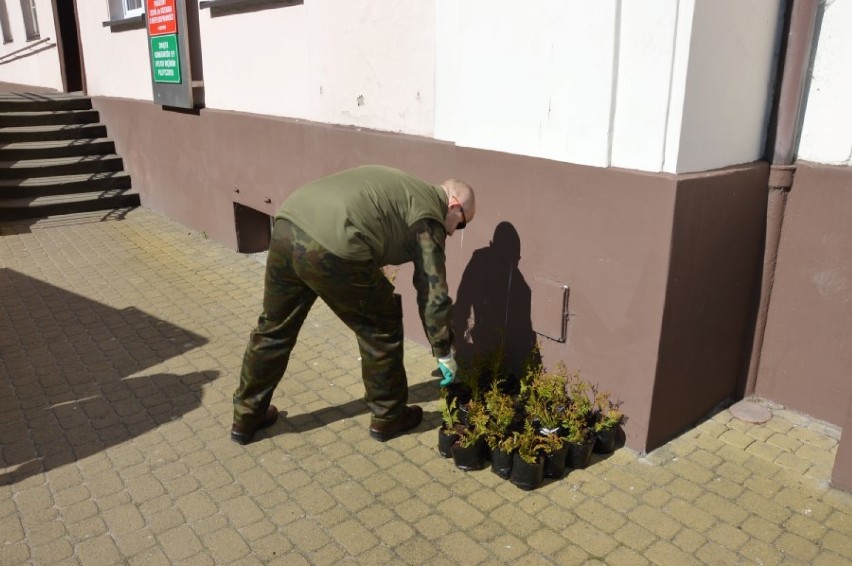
column 728, row 87
column 38, row 66
column 367, row 63
column 447, row 64
column 374, row 61
column 116, row 61
column 257, row 62
column 827, row 129
column 646, row 48
column 535, row 78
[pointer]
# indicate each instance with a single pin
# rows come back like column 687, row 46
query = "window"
column 133, row 7
column 28, row 10
column 4, row 23
column 122, row 10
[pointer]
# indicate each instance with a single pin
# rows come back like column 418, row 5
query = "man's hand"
column 449, row 368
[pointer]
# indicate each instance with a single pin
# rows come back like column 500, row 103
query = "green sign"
column 165, row 62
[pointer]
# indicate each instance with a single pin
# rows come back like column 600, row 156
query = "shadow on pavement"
column 417, row 394
column 68, row 376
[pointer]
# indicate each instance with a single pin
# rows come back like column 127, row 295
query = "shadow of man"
column 494, row 301
column 76, row 376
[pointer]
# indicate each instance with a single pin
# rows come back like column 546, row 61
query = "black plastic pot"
column 605, row 441
column 554, row 462
column 446, row 439
column 501, row 463
column 580, row 455
column 471, row 457
column 525, row 475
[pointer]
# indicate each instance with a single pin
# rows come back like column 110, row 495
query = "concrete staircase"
column 56, row 159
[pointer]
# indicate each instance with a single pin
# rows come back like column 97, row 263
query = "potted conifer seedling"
column 607, row 420
column 500, row 409
column 530, row 448
column 448, row 433
column 469, row 450
column 577, row 424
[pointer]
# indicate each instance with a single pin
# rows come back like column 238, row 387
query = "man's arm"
column 426, row 248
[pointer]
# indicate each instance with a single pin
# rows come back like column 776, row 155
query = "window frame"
column 5, row 28
column 30, row 16
column 134, row 12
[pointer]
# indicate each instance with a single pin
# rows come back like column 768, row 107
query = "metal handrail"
column 24, row 48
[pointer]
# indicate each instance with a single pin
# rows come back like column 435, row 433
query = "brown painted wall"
column 806, row 363
column 716, row 241
column 841, row 475
column 605, row 233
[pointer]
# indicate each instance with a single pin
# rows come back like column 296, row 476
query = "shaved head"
column 464, row 193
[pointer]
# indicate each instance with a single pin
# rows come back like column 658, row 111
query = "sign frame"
column 161, row 17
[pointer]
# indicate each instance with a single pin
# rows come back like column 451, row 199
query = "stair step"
column 56, row 162
column 60, row 166
column 55, row 148
column 31, row 101
column 52, row 132
column 36, row 207
column 59, row 184
column 18, row 119
column 26, row 225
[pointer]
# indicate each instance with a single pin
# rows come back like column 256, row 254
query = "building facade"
column 635, row 213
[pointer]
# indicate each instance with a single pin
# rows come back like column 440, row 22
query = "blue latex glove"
column 449, row 368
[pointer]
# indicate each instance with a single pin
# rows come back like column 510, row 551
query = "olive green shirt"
column 390, row 217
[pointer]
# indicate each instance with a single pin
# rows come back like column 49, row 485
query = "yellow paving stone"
column 785, row 442
column 806, row 527
column 509, row 548
column 600, row 516
column 620, row 501
column 839, row 543
column 765, row 451
column 828, row 559
column 689, row 515
column 257, row 531
column 546, row 541
column 624, row 556
column 796, row 546
column 656, row 497
column 626, row 480
column 461, row 549
column 725, row 487
column 732, row 454
column 689, row 541
column 685, row 489
column 793, row 463
column 655, row 520
column 225, row 545
column 762, row 486
column 663, row 552
column 727, row 535
column 758, row 552
column 761, row 528
column 329, row 555
column 590, row 538
column 98, row 550
column 737, row 439
column 688, row 469
column 728, row 511
column 50, row 553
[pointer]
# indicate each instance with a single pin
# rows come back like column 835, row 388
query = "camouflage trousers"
column 298, row 270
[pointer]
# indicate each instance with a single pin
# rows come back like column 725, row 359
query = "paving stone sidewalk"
column 120, row 341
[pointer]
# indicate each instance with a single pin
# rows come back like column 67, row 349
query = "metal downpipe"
column 796, row 58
